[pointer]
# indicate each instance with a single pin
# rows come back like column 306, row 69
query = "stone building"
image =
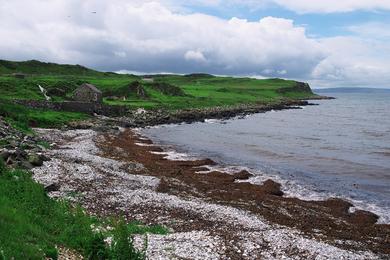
column 88, row 93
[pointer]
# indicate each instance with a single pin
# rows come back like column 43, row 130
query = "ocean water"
column 340, row 148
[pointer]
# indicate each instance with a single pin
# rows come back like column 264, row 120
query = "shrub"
column 122, row 247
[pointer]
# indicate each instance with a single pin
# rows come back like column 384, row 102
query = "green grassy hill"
column 161, row 91
column 44, row 68
column 166, row 91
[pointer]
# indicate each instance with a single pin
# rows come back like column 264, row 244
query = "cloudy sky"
column 333, row 43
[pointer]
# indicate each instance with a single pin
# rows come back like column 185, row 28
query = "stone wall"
column 75, row 106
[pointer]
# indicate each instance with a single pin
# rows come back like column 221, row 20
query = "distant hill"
column 351, row 90
column 38, row 67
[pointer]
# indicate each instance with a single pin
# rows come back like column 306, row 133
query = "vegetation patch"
column 22, row 118
column 197, row 90
column 33, row 225
column 167, row 89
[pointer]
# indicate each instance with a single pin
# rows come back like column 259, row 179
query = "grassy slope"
column 22, row 118
column 43, row 68
column 32, row 224
column 202, row 90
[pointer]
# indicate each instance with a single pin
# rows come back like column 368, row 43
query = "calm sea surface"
column 339, row 148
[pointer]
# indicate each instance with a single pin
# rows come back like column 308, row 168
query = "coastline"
column 146, row 118
column 116, row 171
column 119, row 172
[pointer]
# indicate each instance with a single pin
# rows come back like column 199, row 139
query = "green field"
column 169, row 92
column 200, row 90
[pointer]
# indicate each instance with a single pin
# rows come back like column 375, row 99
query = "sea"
column 337, row 148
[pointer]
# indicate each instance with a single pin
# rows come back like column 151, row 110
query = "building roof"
column 91, row 87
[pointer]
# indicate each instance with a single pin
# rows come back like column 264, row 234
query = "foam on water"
column 290, row 188
column 336, row 149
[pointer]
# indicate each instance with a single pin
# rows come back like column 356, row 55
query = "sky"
column 333, row 43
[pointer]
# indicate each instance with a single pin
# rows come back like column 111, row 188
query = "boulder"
column 273, row 188
column 35, row 159
column 4, row 155
column 25, row 165
column 9, row 161
column 242, row 175
column 52, row 187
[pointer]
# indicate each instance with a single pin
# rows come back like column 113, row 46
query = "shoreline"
column 326, row 222
column 147, row 118
column 292, row 189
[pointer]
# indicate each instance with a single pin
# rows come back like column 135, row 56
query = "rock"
column 52, row 187
column 25, row 165
column 272, row 188
column 363, row 218
column 4, row 155
column 242, row 175
column 337, row 205
column 20, row 154
column 44, row 158
column 9, row 161
column 35, row 159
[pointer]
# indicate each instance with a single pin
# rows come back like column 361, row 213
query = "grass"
column 196, row 91
column 22, row 117
column 32, row 225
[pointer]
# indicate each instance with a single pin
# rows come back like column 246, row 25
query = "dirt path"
column 212, row 215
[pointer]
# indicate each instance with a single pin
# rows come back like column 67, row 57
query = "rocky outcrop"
column 18, row 149
column 300, row 87
column 156, row 117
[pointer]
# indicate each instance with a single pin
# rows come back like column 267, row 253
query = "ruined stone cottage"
column 88, row 93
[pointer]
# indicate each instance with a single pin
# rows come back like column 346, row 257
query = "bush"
column 97, row 250
column 123, row 248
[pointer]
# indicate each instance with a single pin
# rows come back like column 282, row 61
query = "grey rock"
column 52, row 187
column 35, row 159
column 5, row 154
column 9, row 161
column 25, row 165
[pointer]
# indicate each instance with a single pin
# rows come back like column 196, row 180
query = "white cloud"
column 333, row 6
column 299, row 6
column 147, row 36
column 150, row 37
column 195, row 56
column 353, row 61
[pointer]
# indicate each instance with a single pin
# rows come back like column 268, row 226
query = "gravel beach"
column 88, row 167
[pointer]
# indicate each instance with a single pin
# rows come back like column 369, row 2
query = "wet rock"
column 363, row 218
column 220, row 177
column 35, row 159
column 337, row 205
column 273, row 188
column 242, row 175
